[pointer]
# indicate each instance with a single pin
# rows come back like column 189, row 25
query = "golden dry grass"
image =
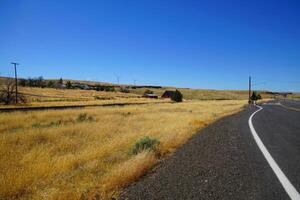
column 54, row 155
column 44, row 94
column 205, row 94
column 43, row 97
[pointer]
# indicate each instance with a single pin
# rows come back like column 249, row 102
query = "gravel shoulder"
column 222, row 161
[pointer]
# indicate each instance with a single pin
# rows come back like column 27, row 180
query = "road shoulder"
column 222, row 161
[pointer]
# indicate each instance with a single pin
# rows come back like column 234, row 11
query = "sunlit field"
column 85, row 153
column 204, row 94
column 44, row 97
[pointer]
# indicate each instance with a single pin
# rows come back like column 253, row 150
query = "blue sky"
column 198, row 44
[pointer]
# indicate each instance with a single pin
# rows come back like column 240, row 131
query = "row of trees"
column 40, row 82
column 106, row 88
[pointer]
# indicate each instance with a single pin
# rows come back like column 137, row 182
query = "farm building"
column 152, row 96
column 168, row 94
column 59, row 85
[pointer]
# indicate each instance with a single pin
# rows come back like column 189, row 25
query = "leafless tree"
column 8, row 93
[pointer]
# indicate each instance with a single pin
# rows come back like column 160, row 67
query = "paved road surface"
column 294, row 105
column 223, row 161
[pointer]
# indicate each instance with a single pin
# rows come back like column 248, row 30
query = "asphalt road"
column 223, row 160
column 294, row 105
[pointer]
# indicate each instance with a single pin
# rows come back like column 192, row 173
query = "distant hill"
column 190, row 94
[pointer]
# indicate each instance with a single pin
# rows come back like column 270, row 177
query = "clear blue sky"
column 198, row 44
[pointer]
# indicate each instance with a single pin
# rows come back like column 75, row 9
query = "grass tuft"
column 144, row 144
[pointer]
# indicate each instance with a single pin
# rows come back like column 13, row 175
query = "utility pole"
column 16, row 79
column 249, row 89
column 118, row 78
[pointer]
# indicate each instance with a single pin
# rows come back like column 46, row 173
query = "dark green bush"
column 177, row 97
column 255, row 96
column 259, row 96
column 106, row 88
column 50, row 84
column 69, row 85
column 144, row 144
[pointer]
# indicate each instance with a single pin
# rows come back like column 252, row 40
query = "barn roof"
column 150, row 95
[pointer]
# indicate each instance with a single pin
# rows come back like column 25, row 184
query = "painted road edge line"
column 288, row 107
column 289, row 188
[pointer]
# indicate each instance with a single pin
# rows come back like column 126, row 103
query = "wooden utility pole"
column 16, row 79
column 118, row 78
column 249, row 89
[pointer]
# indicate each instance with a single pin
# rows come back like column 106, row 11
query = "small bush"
column 109, row 89
column 177, row 97
column 148, row 92
column 124, row 90
column 145, row 144
column 47, row 125
column 84, row 117
column 69, row 85
column 259, row 97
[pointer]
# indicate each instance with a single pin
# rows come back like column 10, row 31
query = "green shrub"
column 177, row 97
column 259, row 97
column 124, row 90
column 84, row 117
column 144, row 144
column 255, row 96
column 50, row 84
column 69, row 85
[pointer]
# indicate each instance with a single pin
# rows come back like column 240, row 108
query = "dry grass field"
column 43, row 97
column 37, row 97
column 203, row 94
column 85, row 153
column 295, row 96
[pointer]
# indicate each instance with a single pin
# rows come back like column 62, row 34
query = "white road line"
column 289, row 188
column 290, row 108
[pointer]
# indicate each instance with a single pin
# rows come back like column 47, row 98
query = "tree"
column 50, row 84
column 40, row 82
column 69, row 85
column 99, row 87
column 259, row 97
column 255, row 96
column 124, row 90
column 23, row 82
column 177, row 97
column 60, row 81
column 30, row 82
column 8, row 93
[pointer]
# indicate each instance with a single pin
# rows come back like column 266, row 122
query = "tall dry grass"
column 70, row 155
